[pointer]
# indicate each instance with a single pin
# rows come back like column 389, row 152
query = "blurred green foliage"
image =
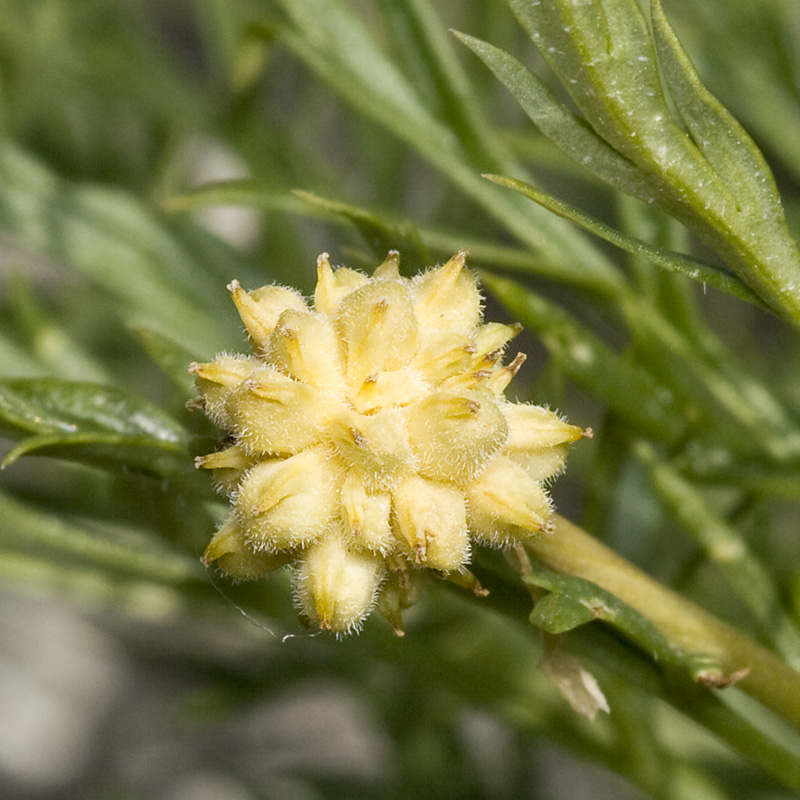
column 130, row 133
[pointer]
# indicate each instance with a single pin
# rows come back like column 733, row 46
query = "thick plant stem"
column 686, row 626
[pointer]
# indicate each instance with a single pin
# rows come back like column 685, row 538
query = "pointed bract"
column 336, row 588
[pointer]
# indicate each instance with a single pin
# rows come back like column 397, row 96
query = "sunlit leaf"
column 92, row 423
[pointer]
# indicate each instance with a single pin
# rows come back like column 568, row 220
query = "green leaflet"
column 602, row 53
column 571, row 133
column 574, row 601
column 718, row 136
column 559, row 612
column 92, row 424
column 713, row 180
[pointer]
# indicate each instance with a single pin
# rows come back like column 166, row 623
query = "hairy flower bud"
column 287, row 503
column 378, row 328
column 432, row 521
column 336, row 586
column 216, row 381
column 231, row 554
column 260, row 309
column 274, row 414
column 371, row 438
column 453, row 435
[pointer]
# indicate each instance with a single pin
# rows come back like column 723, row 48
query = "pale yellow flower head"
column 371, row 437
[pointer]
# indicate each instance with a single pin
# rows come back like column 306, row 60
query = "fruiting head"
column 372, row 437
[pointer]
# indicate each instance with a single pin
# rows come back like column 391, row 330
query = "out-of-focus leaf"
column 94, row 424
column 28, row 530
column 16, row 360
column 173, row 358
column 626, row 387
column 51, row 345
column 117, row 242
column 236, row 192
column 435, row 240
column 728, row 549
column 335, row 43
column 745, row 410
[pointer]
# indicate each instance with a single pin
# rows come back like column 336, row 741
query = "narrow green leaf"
column 674, row 262
column 438, row 67
column 381, row 236
column 709, row 468
column 238, row 192
column 93, row 424
column 569, row 132
column 114, row 452
column 604, row 56
column 721, row 139
column 727, row 549
column 48, row 405
column 335, row 44
column 559, row 612
column 439, row 242
column 602, row 605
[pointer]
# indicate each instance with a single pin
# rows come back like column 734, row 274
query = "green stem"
column 686, row 626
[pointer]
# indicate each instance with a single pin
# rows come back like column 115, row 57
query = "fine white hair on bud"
column 454, row 434
column 216, row 380
column 261, row 309
column 369, row 436
column 336, row 586
column 232, row 555
column 432, row 523
column 287, row 503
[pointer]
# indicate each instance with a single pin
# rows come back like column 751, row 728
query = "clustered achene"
column 371, row 437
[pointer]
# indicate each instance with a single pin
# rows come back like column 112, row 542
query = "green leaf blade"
column 570, row 133
column 721, row 139
column 93, row 424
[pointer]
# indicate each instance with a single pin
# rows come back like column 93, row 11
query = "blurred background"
column 126, row 671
